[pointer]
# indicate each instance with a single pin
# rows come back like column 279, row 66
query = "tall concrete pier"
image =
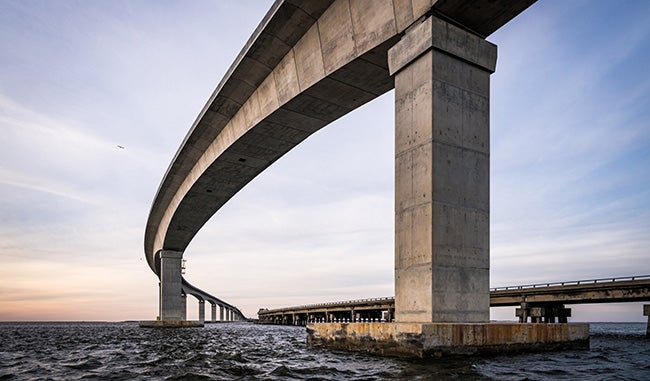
column 442, row 208
column 442, row 173
column 171, row 286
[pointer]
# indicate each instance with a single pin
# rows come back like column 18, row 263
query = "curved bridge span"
column 309, row 63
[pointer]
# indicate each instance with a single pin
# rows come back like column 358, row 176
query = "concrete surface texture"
column 171, row 301
column 441, row 339
column 442, row 182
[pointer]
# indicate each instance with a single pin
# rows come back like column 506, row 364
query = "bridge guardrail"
column 507, row 288
column 571, row 283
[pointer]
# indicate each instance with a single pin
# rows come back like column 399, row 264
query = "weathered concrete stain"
column 442, row 339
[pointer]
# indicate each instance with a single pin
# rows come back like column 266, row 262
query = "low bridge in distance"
column 543, row 302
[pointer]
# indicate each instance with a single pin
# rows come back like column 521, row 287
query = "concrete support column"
column 184, row 305
column 220, row 313
column 159, row 317
column 213, row 310
column 171, row 301
column 202, row 310
column 522, row 312
column 646, row 312
column 442, row 174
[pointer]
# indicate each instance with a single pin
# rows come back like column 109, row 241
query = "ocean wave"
column 245, row 351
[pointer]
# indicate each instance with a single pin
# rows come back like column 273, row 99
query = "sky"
column 570, row 162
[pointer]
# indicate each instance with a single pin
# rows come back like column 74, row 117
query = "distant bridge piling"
column 543, row 313
column 646, row 312
column 202, row 311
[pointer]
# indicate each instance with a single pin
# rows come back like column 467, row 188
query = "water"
column 123, row 351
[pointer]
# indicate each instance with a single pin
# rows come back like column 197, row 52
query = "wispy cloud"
column 570, row 161
column 569, row 151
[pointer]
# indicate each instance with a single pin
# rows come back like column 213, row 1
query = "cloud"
column 569, row 149
column 569, row 161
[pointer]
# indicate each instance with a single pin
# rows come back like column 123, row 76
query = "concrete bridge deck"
column 603, row 290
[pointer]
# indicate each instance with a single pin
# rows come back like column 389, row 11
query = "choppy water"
column 123, row 351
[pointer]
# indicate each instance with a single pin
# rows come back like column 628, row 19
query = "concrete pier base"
column 170, row 323
column 443, row 339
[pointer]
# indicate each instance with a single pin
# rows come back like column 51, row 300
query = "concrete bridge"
column 312, row 61
column 544, row 302
column 173, row 306
column 227, row 312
